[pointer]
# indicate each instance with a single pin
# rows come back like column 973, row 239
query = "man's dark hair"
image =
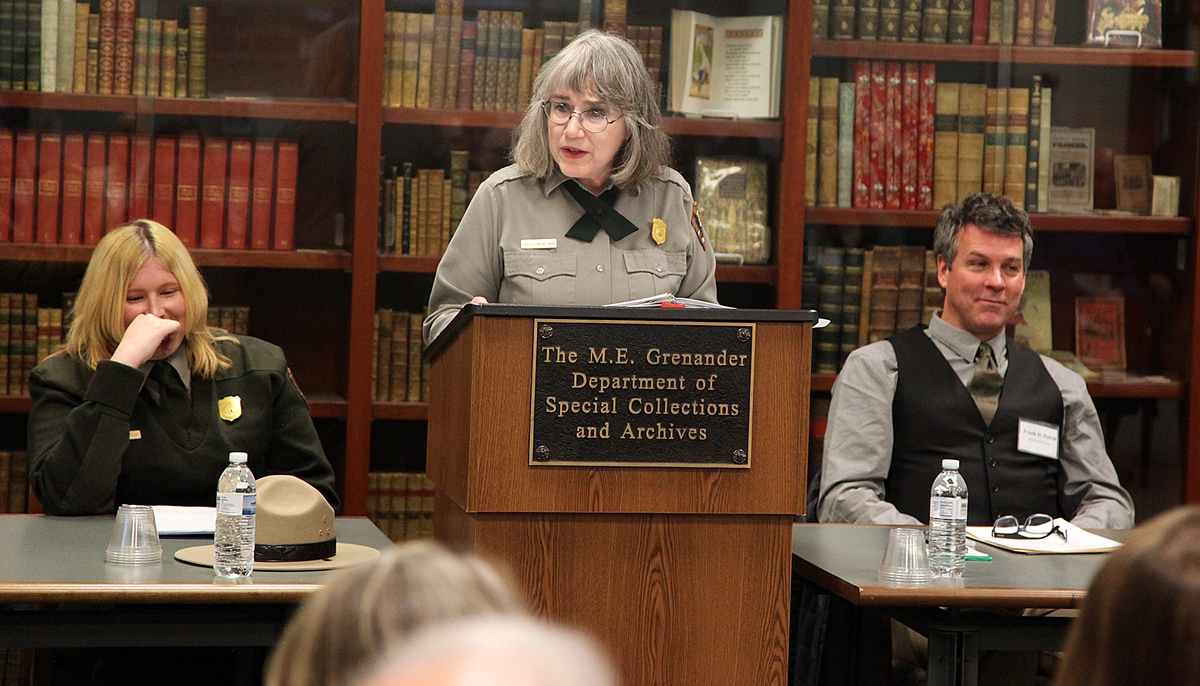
column 991, row 213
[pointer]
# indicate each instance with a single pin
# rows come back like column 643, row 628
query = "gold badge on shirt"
column 658, row 231
column 230, row 407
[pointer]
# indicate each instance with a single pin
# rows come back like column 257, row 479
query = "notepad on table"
column 174, row 520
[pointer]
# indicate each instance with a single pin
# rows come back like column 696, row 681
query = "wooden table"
column 56, row 590
column 844, row 559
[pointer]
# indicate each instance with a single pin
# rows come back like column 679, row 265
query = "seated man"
column 899, row 406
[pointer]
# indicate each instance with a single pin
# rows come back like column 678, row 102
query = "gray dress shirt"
column 858, row 440
column 511, row 247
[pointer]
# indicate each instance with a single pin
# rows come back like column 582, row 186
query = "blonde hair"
column 364, row 610
column 610, row 66
column 98, row 317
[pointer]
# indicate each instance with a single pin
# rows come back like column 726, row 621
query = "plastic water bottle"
column 233, row 540
column 948, row 522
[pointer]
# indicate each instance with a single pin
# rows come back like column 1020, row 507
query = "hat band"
column 297, row 552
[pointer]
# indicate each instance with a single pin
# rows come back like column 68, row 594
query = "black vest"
column 935, row 417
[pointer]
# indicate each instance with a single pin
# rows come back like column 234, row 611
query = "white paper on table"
column 174, row 520
column 1078, row 540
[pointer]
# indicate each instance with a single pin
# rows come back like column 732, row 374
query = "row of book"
column 420, row 208
column 978, row 22
column 398, row 373
column 895, row 138
column 401, row 504
column 28, row 334
column 61, row 46
column 442, row 61
column 231, row 319
column 72, row 188
column 14, row 485
column 868, row 295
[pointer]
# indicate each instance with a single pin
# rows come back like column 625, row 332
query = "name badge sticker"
column 1037, row 438
column 539, row 243
column 135, row 434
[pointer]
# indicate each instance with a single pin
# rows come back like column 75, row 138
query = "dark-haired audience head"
column 991, row 213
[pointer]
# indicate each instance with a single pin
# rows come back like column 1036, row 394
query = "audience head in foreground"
column 496, row 651
column 1140, row 623
column 365, row 611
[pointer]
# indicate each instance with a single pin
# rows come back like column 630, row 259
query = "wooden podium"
column 684, row 572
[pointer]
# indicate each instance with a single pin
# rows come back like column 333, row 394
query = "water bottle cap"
column 238, row 458
column 950, row 463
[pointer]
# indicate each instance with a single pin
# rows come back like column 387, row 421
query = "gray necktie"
column 986, row 384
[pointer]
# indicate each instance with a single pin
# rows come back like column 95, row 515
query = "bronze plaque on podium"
column 641, row 393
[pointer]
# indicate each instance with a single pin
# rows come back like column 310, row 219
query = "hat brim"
column 348, row 554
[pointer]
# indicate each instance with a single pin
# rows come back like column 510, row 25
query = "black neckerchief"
column 598, row 213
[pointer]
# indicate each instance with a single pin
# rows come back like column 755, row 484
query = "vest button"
column 995, row 489
column 990, row 438
column 540, row 270
column 992, row 463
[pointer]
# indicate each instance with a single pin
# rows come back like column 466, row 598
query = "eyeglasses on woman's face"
column 593, row 119
column 1036, row 526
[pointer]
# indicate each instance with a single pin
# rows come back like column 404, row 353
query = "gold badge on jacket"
column 658, row 231
column 230, row 407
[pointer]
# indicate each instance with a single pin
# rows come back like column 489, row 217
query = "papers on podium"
column 668, row 300
column 1078, row 540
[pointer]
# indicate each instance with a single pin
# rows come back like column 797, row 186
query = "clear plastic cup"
column 134, row 538
column 906, row 559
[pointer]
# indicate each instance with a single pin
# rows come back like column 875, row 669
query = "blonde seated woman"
column 145, row 402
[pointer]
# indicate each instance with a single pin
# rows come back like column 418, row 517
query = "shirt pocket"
column 652, row 272
column 539, row 278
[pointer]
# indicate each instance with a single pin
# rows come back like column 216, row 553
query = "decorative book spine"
column 72, row 189
column 393, row 58
column 7, row 20
column 49, row 173
column 154, row 58
column 979, row 21
column 383, row 355
column 405, row 190
column 551, row 44
column 437, row 63
column 524, row 82
column 972, row 133
column 1043, row 27
column 413, row 391
column 93, row 54
column 5, row 362
column 885, row 286
column 867, row 18
column 862, row 134
column 182, row 42
column 1043, row 202
column 909, row 130
column 412, row 59
column 187, row 191
column 1026, row 14
column 93, row 188
column 212, row 192
column 820, row 21
column 889, row 20
column 116, row 187
column 123, row 55
column 108, row 46
column 1033, row 156
column 945, row 146
column 1016, row 148
column 466, row 65
column 66, row 46
column 241, row 156
column 140, row 151
column 812, row 141
column 910, row 21
column 141, row 55
column 453, row 55
column 425, row 61
column 827, row 153
column 261, row 186
column 911, row 291
column 827, row 340
column 510, row 69
column 852, row 279
column 1008, row 21
column 459, row 160
column 879, row 128
column 285, row 194
column 162, row 207
column 842, row 19
column 20, row 43
column 926, row 94
column 932, row 297
column 24, row 186
column 491, row 75
column 935, row 21
column 169, row 56
column 615, row 12
column 892, row 158
column 845, row 153
column 79, row 49
column 996, row 138
column 995, row 9
column 197, row 70
column 47, row 54
column 958, row 28
column 6, row 185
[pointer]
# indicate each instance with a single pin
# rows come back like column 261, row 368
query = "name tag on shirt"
column 134, row 434
column 1037, row 438
column 539, row 244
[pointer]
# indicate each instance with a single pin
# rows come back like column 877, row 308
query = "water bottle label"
column 236, row 503
column 948, row 508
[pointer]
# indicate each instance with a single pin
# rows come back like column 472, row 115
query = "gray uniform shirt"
column 858, row 440
column 511, row 247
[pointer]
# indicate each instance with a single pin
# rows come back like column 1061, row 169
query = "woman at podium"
column 589, row 213
column 145, row 402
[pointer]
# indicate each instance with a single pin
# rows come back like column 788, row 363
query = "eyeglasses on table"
column 1036, row 526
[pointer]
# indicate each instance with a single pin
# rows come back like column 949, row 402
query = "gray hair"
column 506, row 650
column 992, row 213
column 610, row 66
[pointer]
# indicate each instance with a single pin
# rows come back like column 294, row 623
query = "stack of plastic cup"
column 134, row 538
column 906, row 559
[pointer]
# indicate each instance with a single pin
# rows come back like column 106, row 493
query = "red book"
column 908, row 136
column 466, row 64
column 212, row 192
column 893, row 160
column 93, row 189
column 926, row 119
column 139, row 176
column 6, row 183
column 187, row 190
column 879, row 128
column 72, row 189
column 49, row 175
column 108, row 46
column 162, row 209
column 123, row 49
column 979, row 22
column 24, row 186
column 285, row 193
column 862, row 134
column 240, row 157
column 116, row 187
column 261, row 184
